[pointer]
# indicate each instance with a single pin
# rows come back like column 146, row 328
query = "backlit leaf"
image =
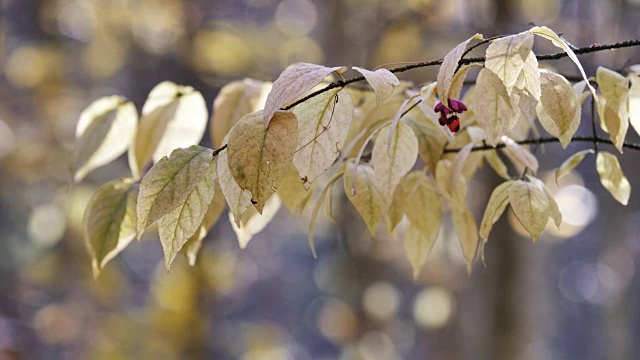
column 382, row 82
column 103, row 133
column 291, row 192
column 506, row 56
column 417, row 246
column 571, row 163
column 554, row 210
column 173, row 117
column 458, row 80
column 521, row 154
column 615, row 91
column 467, row 230
column 428, row 95
column 181, row 223
column 252, row 223
column 530, row 205
column 497, row 164
column 235, row 100
column 492, row 106
column 612, row 177
column 529, row 78
column 216, row 207
column 559, row 108
column 431, row 139
column 423, row 206
column 368, row 198
column 294, row 82
column 634, row 101
column 498, row 202
column 391, row 164
column 316, row 209
column 259, row 156
column 449, row 66
column 110, row 221
column 323, row 123
column 169, row 182
column 237, row 199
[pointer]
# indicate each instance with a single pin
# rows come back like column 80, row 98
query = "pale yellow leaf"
column 110, row 221
column 458, row 165
column 530, row 205
column 520, row 154
column 571, row 163
column 368, row 198
column 634, row 101
column 559, row 108
column 291, row 192
column 235, row 100
column 615, row 91
column 391, row 164
column 449, row 66
column 169, row 182
column 260, row 156
column 529, row 78
column 492, row 106
column 423, row 206
column 473, row 160
column 428, row 95
column 497, row 164
column 458, row 80
column 400, row 196
column 173, row 116
column 181, row 223
column 417, row 246
column 323, row 123
column 216, row 207
column 467, row 230
column 554, row 210
column 382, row 81
column 498, row 202
column 252, row 223
column 316, row 209
column 550, row 35
column 239, row 200
column 104, row 132
column 294, row 82
column 526, row 103
column 431, row 137
column 506, row 56
column 454, row 193
column 612, row 177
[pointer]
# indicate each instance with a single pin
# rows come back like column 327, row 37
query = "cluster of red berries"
column 449, row 115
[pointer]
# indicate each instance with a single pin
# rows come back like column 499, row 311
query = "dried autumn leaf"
column 291, row 192
column 449, row 66
column 235, row 100
column 316, row 209
column 323, row 123
column 293, row 83
column 492, row 106
column 550, row 35
column 391, row 164
column 554, row 210
column 498, row 202
column 417, row 246
column 431, row 139
column 571, row 163
column 259, row 156
column 559, row 108
column 615, row 91
column 506, row 57
column 104, row 131
column 520, row 154
column 529, row 78
column 458, row 80
column 530, row 205
column 173, row 117
column 382, row 81
column 180, row 224
column 239, row 200
column 467, row 230
column 169, row 182
column 634, row 101
column 216, row 207
column 612, row 177
column 252, row 223
column 368, row 198
column 428, row 95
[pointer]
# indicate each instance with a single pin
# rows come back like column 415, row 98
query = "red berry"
column 453, row 123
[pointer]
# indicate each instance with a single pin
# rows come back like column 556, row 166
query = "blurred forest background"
column 575, row 294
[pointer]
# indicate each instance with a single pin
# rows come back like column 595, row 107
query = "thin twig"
column 591, row 139
column 218, row 151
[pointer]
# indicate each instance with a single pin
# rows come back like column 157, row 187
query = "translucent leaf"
column 235, row 100
column 180, row 224
column 467, row 230
column 316, row 209
column 612, row 177
column 497, row 204
column 400, row 196
column 216, row 207
column 529, row 78
column 634, row 101
column 506, row 56
column 449, row 66
column 172, row 117
column 530, row 205
column 291, row 192
column 392, row 164
column 110, row 221
column 423, row 206
column 431, row 138
column 259, row 156
column 237, row 199
column 550, row 35
column 521, row 154
column 252, row 223
column 169, row 182
column 458, row 80
column 615, row 91
column 323, row 123
column 559, row 108
column 497, row 164
column 492, row 106
column 103, row 133
column 368, row 198
column 458, row 165
column 571, row 163
column 428, row 95
column 554, row 211
column 473, row 160
column 382, row 82
column 294, row 82
column 417, row 246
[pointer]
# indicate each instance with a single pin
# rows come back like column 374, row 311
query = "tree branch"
column 591, row 139
column 584, row 50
